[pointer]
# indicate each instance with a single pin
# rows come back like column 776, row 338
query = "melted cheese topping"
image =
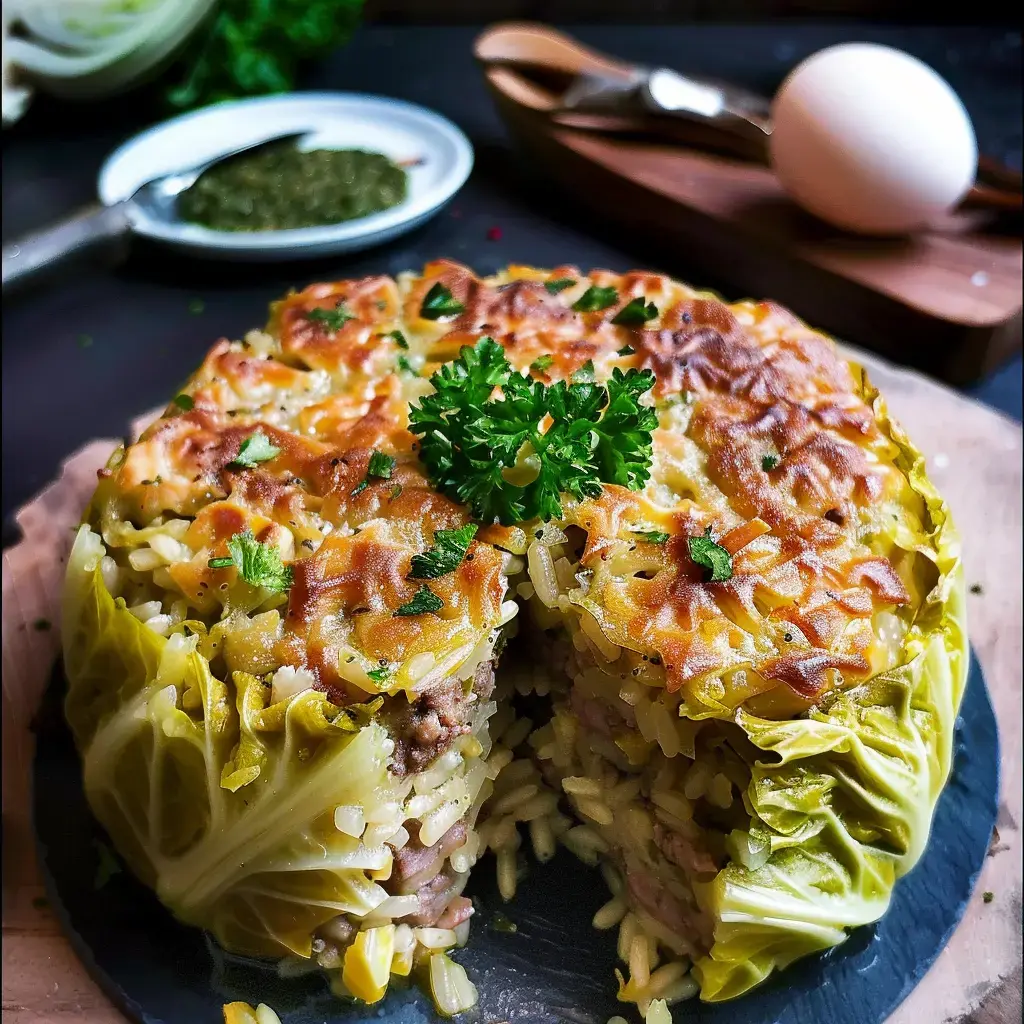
column 765, row 437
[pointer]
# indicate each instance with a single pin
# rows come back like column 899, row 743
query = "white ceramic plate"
column 402, row 131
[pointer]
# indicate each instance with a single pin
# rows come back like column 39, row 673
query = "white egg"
column 872, row 140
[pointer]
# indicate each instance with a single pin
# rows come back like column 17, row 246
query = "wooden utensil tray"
column 947, row 301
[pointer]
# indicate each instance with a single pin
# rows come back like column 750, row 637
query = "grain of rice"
column 377, row 835
column 548, row 752
column 638, row 825
column 696, row 781
column 146, row 610
column 517, row 733
column 720, row 791
column 111, row 574
column 466, row 855
column 617, row 1020
column 584, row 840
column 581, row 786
column 538, row 807
column 439, row 773
column 506, row 859
column 405, row 939
column 385, row 811
column 657, row 1012
column 595, row 810
column 625, row 791
column 499, row 759
column 514, row 798
column 653, row 958
column 462, row 933
column 144, row 560
column 639, row 964
column 435, row 824
column 542, row 839
column 394, row 906
column 610, row 914
column 435, row 938
column 665, row 977
column 350, row 819
column 685, row 988
column 628, row 928
column 675, row 804
column 611, row 877
column 560, row 824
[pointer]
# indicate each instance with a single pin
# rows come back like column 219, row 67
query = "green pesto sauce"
column 280, row 187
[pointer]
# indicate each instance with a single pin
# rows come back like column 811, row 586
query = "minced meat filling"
column 424, row 729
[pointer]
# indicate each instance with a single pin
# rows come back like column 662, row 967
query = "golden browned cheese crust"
column 764, row 436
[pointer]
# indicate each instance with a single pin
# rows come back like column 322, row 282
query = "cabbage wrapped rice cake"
column 732, row 679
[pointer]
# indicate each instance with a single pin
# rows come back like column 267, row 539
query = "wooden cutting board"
column 974, row 456
column 947, row 301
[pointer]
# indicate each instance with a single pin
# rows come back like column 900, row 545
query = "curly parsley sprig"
column 598, row 433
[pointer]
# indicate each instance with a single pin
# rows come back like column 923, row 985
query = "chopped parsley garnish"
column 379, row 466
column 626, row 350
column 710, row 556
column 440, row 302
column 406, row 367
column 399, row 339
column 988, row 897
column 560, row 285
column 541, row 363
column 595, row 299
column 184, row 402
column 424, row 601
column 332, row 319
column 394, row 492
column 598, row 433
column 635, row 313
column 585, row 374
column 379, row 675
column 255, row 448
column 769, row 462
column 976, row 588
column 651, row 536
column 446, row 554
column 258, row 564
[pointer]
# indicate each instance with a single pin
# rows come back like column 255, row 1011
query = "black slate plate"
column 555, row 968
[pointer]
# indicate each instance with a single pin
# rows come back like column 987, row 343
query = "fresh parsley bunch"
column 597, row 433
column 250, row 47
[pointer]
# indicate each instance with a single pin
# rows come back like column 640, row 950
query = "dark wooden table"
column 83, row 356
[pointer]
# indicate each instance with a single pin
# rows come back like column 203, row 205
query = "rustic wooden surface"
column 947, row 300
column 975, row 460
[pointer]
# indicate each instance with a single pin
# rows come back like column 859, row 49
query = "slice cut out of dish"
column 436, row 155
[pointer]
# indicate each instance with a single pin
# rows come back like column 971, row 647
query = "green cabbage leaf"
column 842, row 800
column 220, row 801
